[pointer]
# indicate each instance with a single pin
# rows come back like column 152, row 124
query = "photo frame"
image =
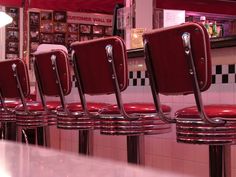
column 60, row 27
column 72, row 28
column 11, row 56
column 97, row 29
column 34, row 34
column 84, row 37
column 46, row 38
column 34, row 19
column 59, row 38
column 46, row 15
column 34, row 46
column 12, row 47
column 12, row 35
column 59, row 16
column 108, row 30
column 46, row 27
column 86, row 29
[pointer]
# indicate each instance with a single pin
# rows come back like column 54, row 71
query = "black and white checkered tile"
column 221, row 74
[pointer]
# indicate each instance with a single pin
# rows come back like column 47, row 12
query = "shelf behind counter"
column 222, row 42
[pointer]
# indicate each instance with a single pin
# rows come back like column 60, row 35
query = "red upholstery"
column 169, row 61
column 224, row 111
column 11, row 103
column 134, row 108
column 7, row 80
column 37, row 106
column 92, row 107
column 47, row 76
column 94, row 68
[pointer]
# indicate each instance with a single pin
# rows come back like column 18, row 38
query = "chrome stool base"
column 219, row 138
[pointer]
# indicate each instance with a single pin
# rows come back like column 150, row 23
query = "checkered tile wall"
column 221, row 74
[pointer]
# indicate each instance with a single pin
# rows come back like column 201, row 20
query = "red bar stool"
column 15, row 84
column 8, row 117
column 101, row 68
column 54, row 78
column 179, row 63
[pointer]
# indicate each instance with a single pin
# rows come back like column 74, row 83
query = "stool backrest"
column 8, row 82
column 168, row 63
column 45, row 73
column 94, row 68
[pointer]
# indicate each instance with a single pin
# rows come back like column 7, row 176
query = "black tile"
column 213, row 79
column 142, row 82
column 134, row 82
column 231, row 68
column 218, row 69
column 131, row 74
column 225, row 78
column 138, row 74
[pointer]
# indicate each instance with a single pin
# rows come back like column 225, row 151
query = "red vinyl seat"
column 101, row 69
column 179, row 63
column 7, row 112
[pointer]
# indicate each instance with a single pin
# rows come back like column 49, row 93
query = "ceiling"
column 106, row 6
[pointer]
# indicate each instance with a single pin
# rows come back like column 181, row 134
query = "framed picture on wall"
column 60, row 27
column 33, row 46
column 12, row 47
column 84, row 37
column 12, row 35
column 34, row 19
column 59, row 38
column 46, row 38
column 46, row 27
column 97, row 29
column 10, row 56
column 72, row 27
column 108, row 30
column 86, row 29
column 59, row 16
column 34, row 34
column 46, row 15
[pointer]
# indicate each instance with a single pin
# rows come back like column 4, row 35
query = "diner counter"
column 222, row 42
column 19, row 160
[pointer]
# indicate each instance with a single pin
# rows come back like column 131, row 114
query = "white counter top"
column 18, row 160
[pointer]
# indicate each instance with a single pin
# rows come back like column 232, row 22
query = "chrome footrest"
column 147, row 125
column 74, row 122
column 6, row 117
column 198, row 132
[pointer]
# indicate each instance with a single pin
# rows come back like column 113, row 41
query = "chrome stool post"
column 86, row 142
column 135, row 149
column 220, row 160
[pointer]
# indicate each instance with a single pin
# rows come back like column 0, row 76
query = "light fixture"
column 4, row 19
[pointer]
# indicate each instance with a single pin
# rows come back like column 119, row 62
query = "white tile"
column 225, row 69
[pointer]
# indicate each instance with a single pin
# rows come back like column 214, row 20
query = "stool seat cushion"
column 11, row 103
column 134, row 108
column 37, row 106
column 92, row 107
column 214, row 110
